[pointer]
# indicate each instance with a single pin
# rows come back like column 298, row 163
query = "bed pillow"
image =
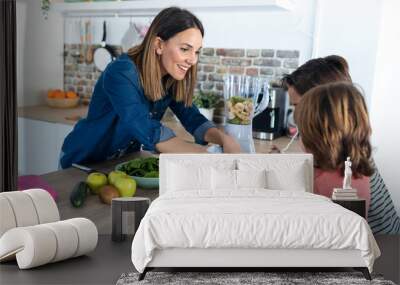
column 227, row 179
column 293, row 180
column 251, row 178
column 182, row 177
column 194, row 175
column 281, row 174
column 223, row 179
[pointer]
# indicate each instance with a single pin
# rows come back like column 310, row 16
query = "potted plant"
column 206, row 102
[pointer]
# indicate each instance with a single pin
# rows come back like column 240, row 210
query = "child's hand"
column 274, row 149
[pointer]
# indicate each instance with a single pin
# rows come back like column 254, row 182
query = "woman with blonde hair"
column 333, row 124
column 134, row 91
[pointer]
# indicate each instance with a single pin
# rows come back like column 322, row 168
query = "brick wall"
column 81, row 77
column 215, row 62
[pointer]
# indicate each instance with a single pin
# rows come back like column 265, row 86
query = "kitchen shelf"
column 152, row 7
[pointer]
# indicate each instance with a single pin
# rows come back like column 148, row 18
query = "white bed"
column 247, row 211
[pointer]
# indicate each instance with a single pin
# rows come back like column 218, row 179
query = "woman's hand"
column 230, row 145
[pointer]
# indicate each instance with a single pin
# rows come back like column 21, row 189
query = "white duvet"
column 250, row 218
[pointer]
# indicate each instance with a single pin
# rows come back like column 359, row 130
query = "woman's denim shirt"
column 121, row 119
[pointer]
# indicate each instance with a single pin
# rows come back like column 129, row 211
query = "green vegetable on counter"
column 78, row 194
column 151, row 174
column 141, row 167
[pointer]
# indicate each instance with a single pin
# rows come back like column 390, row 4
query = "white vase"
column 208, row 113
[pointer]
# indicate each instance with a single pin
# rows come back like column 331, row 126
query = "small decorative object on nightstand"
column 347, row 196
column 127, row 212
column 355, row 205
column 347, row 192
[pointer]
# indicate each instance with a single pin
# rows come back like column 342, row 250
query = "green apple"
column 95, row 181
column 126, row 186
column 113, row 175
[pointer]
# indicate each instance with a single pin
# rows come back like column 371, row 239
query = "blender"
column 245, row 97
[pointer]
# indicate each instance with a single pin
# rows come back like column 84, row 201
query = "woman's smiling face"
column 179, row 53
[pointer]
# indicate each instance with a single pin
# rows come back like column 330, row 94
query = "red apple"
column 107, row 193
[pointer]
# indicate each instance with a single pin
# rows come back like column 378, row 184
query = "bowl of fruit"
column 57, row 98
column 143, row 170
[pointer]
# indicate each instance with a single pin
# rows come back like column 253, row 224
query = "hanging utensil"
column 105, row 54
column 130, row 38
column 89, row 50
column 82, row 42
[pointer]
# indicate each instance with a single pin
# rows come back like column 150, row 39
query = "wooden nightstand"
column 357, row 206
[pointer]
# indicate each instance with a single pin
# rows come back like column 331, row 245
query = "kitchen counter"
column 67, row 116
column 63, row 181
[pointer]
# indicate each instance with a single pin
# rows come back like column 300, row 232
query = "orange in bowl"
column 60, row 99
column 51, row 93
column 56, row 93
column 71, row 94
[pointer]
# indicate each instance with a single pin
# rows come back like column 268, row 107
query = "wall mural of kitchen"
column 128, row 149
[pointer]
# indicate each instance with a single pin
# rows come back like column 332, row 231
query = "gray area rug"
column 230, row 278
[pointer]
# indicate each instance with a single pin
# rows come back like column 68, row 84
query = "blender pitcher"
column 242, row 94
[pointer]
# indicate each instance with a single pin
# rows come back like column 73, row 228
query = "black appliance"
column 271, row 123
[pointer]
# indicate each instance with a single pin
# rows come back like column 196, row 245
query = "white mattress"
column 253, row 218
